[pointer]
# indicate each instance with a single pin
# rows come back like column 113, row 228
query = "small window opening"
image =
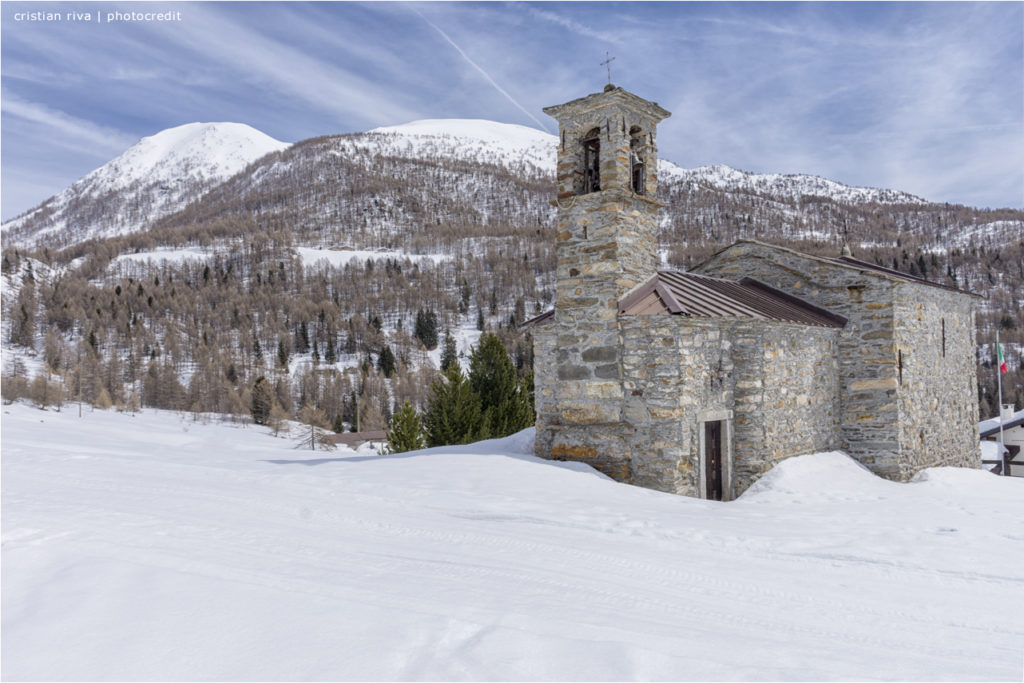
column 943, row 337
column 592, row 161
column 637, row 167
column 899, row 366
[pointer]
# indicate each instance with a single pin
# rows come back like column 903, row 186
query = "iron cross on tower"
column 608, row 63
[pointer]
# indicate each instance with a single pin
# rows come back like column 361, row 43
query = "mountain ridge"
column 166, row 171
column 149, row 180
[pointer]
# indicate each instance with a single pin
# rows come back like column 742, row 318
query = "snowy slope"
column 473, row 139
column 157, row 548
column 995, row 233
column 340, row 257
column 785, row 186
column 164, row 172
column 155, row 177
column 507, row 144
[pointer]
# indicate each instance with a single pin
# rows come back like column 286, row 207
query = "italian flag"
column 1002, row 361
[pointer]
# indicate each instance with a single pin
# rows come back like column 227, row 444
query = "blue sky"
column 922, row 97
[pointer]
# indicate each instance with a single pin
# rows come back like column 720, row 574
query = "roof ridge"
column 841, row 261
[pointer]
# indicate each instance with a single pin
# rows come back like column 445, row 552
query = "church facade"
column 697, row 383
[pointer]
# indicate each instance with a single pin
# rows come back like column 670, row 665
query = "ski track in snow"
column 157, row 547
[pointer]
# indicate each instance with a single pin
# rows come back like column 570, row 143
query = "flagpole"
column 999, row 381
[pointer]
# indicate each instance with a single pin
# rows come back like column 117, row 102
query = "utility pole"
column 78, row 346
column 999, row 407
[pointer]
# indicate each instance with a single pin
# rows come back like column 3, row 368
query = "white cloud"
column 73, row 132
column 287, row 69
column 575, row 26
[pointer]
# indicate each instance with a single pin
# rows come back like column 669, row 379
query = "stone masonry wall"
column 775, row 381
column 670, row 375
column 878, row 414
column 867, row 347
column 578, row 395
column 937, row 397
column 786, row 395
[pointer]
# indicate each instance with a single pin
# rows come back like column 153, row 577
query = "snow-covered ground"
column 340, row 257
column 154, row 547
column 157, row 256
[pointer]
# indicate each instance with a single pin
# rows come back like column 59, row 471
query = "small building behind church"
column 698, row 382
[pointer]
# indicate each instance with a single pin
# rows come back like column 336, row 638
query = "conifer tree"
column 330, row 355
column 302, row 338
column 282, row 357
column 453, row 414
column 386, row 362
column 426, row 328
column 23, row 328
column 492, row 376
column 262, row 400
column 406, row 432
column 519, row 317
column 356, row 420
column 450, row 355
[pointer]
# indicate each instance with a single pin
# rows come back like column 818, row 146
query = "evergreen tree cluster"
column 426, row 329
column 491, row 403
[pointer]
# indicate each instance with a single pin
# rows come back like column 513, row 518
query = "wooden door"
column 713, row 460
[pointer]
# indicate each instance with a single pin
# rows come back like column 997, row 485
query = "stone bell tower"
column 607, row 240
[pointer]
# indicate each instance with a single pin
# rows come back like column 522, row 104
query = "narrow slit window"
column 943, row 337
column 592, row 161
column 637, row 167
column 899, row 366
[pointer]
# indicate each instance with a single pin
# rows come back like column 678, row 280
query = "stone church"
column 698, row 382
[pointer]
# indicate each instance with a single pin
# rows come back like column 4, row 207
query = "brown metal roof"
column 676, row 293
column 539, row 319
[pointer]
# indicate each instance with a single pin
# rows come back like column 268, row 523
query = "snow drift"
column 157, row 547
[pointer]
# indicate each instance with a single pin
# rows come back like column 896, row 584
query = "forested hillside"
column 189, row 312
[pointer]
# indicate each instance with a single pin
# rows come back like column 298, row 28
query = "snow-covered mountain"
column 155, row 177
column 502, row 144
column 163, row 173
column 790, row 186
column 470, row 139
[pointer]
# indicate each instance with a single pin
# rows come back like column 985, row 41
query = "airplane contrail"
column 482, row 72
